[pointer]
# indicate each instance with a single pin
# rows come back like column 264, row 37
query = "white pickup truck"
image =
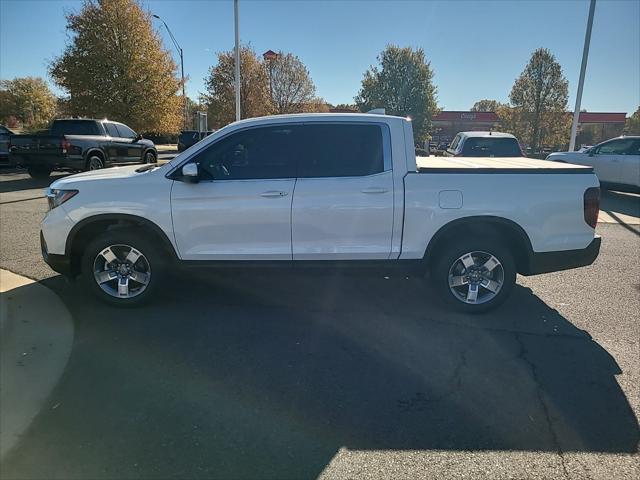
column 323, row 189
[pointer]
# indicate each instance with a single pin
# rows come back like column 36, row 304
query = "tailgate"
column 36, row 145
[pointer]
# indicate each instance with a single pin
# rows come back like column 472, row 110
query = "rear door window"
column 341, row 150
column 491, row 147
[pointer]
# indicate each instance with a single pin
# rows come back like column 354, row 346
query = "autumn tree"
column 28, row 100
column 290, row 85
column 402, row 83
column 539, row 98
column 115, row 65
column 347, row 107
column 486, row 106
column 632, row 124
column 220, row 88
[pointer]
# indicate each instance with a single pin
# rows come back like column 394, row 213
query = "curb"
column 36, row 336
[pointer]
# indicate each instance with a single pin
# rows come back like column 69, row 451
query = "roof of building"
column 468, row 116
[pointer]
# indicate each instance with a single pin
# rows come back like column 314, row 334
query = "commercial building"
column 593, row 127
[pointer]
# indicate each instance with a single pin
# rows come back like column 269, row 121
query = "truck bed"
column 496, row 165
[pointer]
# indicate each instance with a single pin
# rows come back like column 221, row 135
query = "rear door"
column 343, row 200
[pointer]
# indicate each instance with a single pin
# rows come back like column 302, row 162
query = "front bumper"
column 58, row 263
column 545, row 262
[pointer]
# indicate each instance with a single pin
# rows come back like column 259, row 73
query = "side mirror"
column 190, row 173
column 137, row 138
column 591, row 152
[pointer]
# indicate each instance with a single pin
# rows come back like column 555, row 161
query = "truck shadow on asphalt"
column 15, row 180
column 247, row 375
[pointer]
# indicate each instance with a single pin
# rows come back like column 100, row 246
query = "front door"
column 241, row 208
column 609, row 159
column 343, row 202
column 130, row 148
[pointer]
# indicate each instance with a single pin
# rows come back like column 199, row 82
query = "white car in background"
column 616, row 162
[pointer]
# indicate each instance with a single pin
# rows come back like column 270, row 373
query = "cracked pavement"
column 249, row 375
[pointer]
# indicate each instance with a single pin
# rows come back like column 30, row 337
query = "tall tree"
column 116, row 66
column 632, row 124
column 539, row 96
column 28, row 100
column 486, row 106
column 290, row 85
column 402, row 83
column 220, row 86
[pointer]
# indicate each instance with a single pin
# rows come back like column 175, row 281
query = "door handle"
column 274, row 194
column 374, row 190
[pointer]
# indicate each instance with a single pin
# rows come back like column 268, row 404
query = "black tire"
column 150, row 157
column 94, row 162
column 152, row 257
column 39, row 172
column 448, row 261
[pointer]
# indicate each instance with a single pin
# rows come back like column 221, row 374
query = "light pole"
column 583, row 69
column 235, row 16
column 175, row 44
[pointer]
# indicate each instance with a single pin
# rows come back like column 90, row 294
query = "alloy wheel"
column 121, row 271
column 95, row 163
column 476, row 277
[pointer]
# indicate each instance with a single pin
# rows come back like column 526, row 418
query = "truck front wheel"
column 39, row 172
column 474, row 275
column 122, row 267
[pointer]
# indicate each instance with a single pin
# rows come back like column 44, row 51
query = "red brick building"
column 593, row 127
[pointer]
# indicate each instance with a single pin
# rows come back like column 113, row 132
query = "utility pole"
column 179, row 49
column 235, row 14
column 583, row 69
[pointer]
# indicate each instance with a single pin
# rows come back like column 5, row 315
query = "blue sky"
column 476, row 48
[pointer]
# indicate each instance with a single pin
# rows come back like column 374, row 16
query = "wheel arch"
column 516, row 239
column 85, row 230
column 96, row 150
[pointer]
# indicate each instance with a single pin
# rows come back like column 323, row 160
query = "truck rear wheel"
column 39, row 172
column 474, row 275
column 94, row 162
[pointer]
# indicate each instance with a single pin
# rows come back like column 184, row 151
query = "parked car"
column 80, row 145
column 5, row 133
column 484, row 144
column 330, row 190
column 188, row 138
column 616, row 162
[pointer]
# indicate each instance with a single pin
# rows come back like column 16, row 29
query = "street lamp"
column 175, row 43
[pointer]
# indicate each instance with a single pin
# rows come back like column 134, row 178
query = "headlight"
column 57, row 197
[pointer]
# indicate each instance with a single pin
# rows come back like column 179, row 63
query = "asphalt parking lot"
column 252, row 375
